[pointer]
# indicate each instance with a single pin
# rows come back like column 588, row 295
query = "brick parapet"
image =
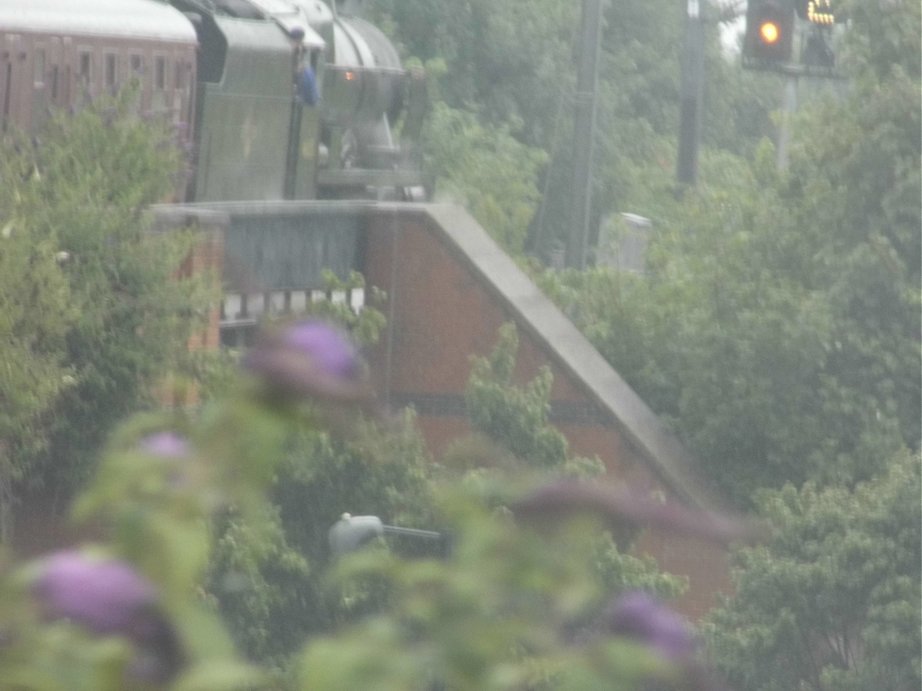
column 205, row 260
column 443, row 307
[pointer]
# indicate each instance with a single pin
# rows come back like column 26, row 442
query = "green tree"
column 271, row 579
column 487, row 169
column 504, row 62
column 256, row 579
column 510, row 608
column 129, row 314
column 832, row 600
column 34, row 312
column 515, row 603
column 268, row 575
column 777, row 323
column 502, row 76
column 514, row 418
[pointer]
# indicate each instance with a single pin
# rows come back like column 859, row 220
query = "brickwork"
column 440, row 313
column 442, row 310
column 205, row 260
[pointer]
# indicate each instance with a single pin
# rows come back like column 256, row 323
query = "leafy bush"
column 516, row 601
column 832, row 600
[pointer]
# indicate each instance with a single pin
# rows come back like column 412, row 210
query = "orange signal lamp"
column 769, row 32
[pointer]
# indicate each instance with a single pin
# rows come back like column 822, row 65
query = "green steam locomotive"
column 282, row 99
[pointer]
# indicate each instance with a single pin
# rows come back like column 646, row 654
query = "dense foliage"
column 777, row 324
column 513, row 418
column 515, row 601
column 270, row 583
column 503, row 77
column 267, row 579
column 831, row 600
column 776, row 328
column 86, row 284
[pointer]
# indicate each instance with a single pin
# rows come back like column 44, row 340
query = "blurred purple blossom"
column 102, row 595
column 632, row 507
column 310, row 358
column 326, row 345
column 108, row 597
column 165, row 445
column 642, row 617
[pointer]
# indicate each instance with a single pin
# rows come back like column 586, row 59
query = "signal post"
column 793, row 38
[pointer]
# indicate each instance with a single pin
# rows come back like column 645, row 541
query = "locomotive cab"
column 245, row 126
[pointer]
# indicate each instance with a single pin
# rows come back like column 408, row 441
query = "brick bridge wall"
column 450, row 288
column 442, row 310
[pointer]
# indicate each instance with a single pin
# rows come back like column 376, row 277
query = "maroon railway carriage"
column 58, row 53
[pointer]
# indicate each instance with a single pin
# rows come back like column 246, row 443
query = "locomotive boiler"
column 229, row 70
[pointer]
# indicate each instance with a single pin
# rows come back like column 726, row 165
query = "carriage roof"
column 133, row 19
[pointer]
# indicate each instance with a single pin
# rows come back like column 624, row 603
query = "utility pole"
column 692, row 84
column 584, row 130
column 788, row 108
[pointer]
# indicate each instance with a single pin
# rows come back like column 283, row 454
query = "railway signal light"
column 820, row 12
column 769, row 35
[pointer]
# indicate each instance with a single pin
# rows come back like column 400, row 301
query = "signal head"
column 769, row 32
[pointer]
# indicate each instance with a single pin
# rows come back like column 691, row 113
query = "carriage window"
column 38, row 67
column 54, row 83
column 137, row 64
column 7, row 81
column 160, row 73
column 179, row 80
column 85, row 67
column 111, row 70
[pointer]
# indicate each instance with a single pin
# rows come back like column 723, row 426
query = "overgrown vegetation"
column 776, row 326
column 776, row 329
column 95, row 311
column 830, row 601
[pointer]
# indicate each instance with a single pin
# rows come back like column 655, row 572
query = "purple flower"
column 629, row 507
column 326, row 345
column 104, row 596
column 310, row 358
column 642, row 617
column 108, row 597
column 167, row 445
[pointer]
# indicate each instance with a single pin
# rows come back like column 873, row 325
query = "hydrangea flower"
column 102, row 595
column 174, row 452
column 310, row 358
column 108, row 597
column 328, row 346
column 641, row 616
column 165, row 445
